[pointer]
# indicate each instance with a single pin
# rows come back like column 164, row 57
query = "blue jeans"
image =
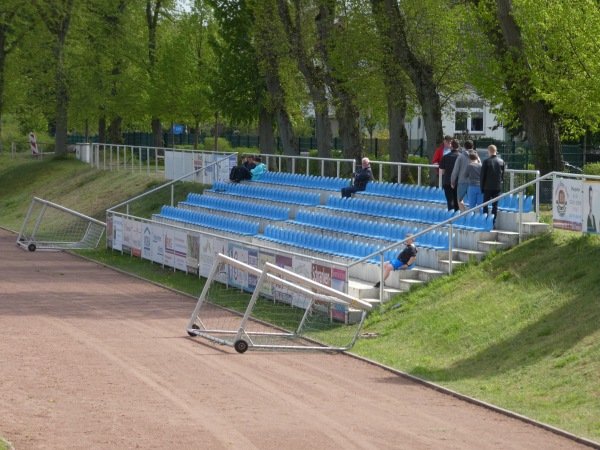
column 475, row 196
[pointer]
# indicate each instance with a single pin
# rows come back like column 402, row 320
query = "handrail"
column 280, row 157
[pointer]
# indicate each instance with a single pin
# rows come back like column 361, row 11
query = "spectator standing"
column 404, row 261
column 441, row 151
column 492, row 179
column 361, row 178
column 447, row 166
column 474, row 176
column 460, row 179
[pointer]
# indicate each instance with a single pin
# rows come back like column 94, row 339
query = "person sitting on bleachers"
column 405, row 260
column 361, row 178
column 243, row 171
column 259, row 169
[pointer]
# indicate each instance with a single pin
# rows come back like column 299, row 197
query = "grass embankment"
column 520, row 330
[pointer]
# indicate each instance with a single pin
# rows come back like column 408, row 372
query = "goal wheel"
column 240, row 346
column 31, row 247
column 194, row 327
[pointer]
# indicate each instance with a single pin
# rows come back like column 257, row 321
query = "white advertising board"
column 567, row 204
column 591, row 207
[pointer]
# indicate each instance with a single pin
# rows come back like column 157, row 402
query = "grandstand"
column 305, row 216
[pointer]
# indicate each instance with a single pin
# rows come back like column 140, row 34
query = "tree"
column 56, row 15
column 12, row 29
column 305, row 50
column 237, row 85
column 271, row 48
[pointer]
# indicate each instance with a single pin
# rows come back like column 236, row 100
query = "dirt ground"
column 93, row 359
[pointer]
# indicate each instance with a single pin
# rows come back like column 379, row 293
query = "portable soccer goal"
column 245, row 307
column 48, row 226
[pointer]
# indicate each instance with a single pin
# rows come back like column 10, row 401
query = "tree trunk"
column 266, row 136
column 115, row 131
column 62, row 104
column 392, row 24
column 284, row 124
column 313, row 74
column 2, row 61
column 196, row 133
column 347, row 115
column 540, row 124
column 157, row 136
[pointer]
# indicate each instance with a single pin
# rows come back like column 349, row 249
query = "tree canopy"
column 114, row 65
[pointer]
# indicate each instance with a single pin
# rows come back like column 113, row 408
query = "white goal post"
column 280, row 311
column 48, row 226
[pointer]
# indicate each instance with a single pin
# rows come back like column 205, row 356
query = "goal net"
column 278, row 310
column 48, row 226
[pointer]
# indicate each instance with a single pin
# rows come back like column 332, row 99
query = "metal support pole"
column 450, row 250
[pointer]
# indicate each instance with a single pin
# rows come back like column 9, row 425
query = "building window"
column 468, row 117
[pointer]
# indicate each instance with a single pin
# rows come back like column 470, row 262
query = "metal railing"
column 277, row 161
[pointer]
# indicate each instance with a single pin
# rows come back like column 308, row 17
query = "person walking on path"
column 492, row 179
column 447, row 166
column 460, row 179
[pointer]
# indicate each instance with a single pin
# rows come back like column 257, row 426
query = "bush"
column 223, row 144
column 592, row 168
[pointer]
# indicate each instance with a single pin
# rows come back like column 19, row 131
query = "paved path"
column 90, row 358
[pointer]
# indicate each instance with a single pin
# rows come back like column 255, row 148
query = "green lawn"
column 520, row 330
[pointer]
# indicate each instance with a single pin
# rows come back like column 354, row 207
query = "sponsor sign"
column 117, row 233
column 591, row 207
column 193, row 253
column 136, row 239
column 567, row 204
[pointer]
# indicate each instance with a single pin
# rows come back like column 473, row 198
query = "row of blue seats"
column 345, row 247
column 186, row 216
column 305, row 181
column 406, row 192
column 319, row 243
column 410, row 213
column 351, row 225
column 238, row 206
column 267, row 193
column 368, row 228
column 511, row 203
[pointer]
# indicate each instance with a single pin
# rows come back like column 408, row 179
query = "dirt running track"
column 90, row 358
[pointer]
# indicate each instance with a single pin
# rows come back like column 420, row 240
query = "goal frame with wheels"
column 246, row 331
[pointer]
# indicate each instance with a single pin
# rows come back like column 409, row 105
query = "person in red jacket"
column 441, row 151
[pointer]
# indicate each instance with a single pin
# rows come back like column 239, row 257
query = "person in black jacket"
column 447, row 166
column 361, row 177
column 492, row 179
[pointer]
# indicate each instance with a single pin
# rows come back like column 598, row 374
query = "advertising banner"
column 280, row 293
column 109, row 231
column 127, row 235
column 169, row 259
column 117, row 233
column 147, row 241
column 266, row 288
column 158, row 243
column 207, row 255
column 180, row 248
column 136, row 239
column 301, row 267
column 591, row 207
column 237, row 277
column 567, row 204
column 193, row 253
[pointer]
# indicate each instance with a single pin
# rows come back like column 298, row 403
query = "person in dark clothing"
column 492, row 179
column 361, row 178
column 447, row 166
column 404, row 261
column 243, row 171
